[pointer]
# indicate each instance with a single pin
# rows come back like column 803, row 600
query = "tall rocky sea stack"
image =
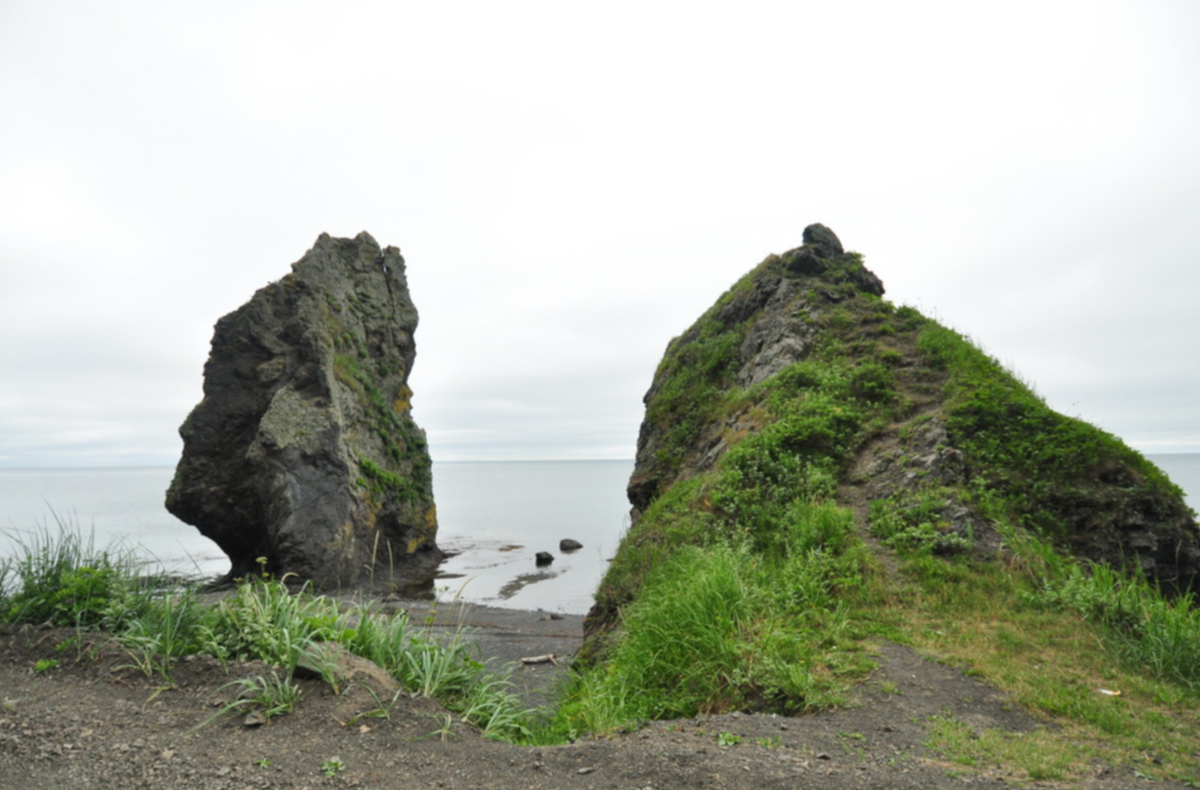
column 303, row 452
column 802, row 384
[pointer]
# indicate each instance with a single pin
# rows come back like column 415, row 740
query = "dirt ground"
column 92, row 724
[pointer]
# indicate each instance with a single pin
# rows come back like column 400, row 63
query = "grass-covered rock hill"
column 802, row 381
column 818, row 468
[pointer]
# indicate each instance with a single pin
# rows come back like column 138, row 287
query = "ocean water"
column 1184, row 470
column 498, row 515
column 495, row 516
column 118, row 505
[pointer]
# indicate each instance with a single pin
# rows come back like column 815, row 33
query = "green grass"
column 165, row 631
column 998, row 622
column 1056, row 636
column 1042, row 467
column 58, row 576
column 754, row 619
column 1035, row 755
column 270, row 695
column 1142, row 627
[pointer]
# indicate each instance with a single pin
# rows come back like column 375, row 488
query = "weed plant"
column 912, row 521
column 270, row 695
column 164, row 632
column 264, row 620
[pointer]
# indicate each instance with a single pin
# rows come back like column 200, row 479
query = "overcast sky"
column 573, row 184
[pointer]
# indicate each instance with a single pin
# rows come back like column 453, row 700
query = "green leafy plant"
column 165, row 631
column 60, row 577
column 913, row 522
column 265, row 620
column 270, row 695
column 45, row 665
column 332, row 767
column 728, row 739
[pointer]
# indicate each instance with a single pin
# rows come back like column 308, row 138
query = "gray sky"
column 573, row 184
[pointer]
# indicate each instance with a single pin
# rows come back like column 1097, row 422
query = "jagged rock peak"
column 822, row 254
column 303, row 452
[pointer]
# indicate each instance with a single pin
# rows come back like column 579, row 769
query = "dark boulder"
column 567, row 544
column 823, row 241
column 543, row 558
column 303, row 455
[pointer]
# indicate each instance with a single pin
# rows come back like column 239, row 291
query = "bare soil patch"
column 90, row 723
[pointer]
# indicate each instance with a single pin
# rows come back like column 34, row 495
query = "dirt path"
column 91, row 725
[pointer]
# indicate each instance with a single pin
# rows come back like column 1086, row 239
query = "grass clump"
column 167, row 630
column 264, row 620
column 63, row 580
column 60, row 577
column 746, row 623
column 270, row 695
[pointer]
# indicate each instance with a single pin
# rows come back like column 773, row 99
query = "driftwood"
column 546, row 659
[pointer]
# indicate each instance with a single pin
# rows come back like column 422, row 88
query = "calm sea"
column 495, row 515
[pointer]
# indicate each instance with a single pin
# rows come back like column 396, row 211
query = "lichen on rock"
column 303, row 452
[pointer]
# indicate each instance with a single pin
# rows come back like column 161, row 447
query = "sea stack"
column 303, row 457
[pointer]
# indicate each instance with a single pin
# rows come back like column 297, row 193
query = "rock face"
column 773, row 315
column 303, row 451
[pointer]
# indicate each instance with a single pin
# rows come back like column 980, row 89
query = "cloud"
column 572, row 187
